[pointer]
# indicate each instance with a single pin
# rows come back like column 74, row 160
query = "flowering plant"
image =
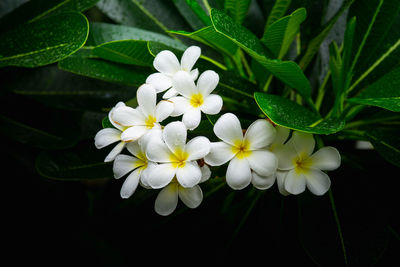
column 185, row 99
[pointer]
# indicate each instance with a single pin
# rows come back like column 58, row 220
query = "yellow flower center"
column 302, row 163
column 196, row 100
column 150, row 121
column 178, row 159
column 241, row 149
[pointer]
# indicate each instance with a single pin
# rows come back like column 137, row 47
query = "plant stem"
column 338, row 226
column 321, row 91
column 207, row 6
column 246, row 65
column 266, row 86
column 367, row 122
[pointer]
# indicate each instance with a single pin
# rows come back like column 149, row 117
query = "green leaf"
column 105, row 70
column 65, row 90
column 287, row 71
column 210, row 37
column 291, row 115
column 32, row 135
column 383, row 93
column 101, row 33
column 187, row 11
column 127, row 51
column 153, row 15
column 237, row 9
column 387, row 143
column 106, row 123
column 279, row 36
column 83, row 162
column 36, row 9
column 45, row 41
column 316, row 42
column 278, row 10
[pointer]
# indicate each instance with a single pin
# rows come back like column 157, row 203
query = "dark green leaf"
column 37, row 9
column 287, row 71
column 106, row 123
column 33, row 136
column 387, row 143
column 154, row 15
column 101, row 33
column 61, row 89
column 105, row 70
column 237, row 9
column 279, row 35
column 83, row 162
column 132, row 52
column 383, row 93
column 44, row 41
column 316, row 42
column 210, row 37
column 278, row 10
column 291, row 115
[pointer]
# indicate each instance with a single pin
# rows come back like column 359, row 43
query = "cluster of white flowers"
column 162, row 158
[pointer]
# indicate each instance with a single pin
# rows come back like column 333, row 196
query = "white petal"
column 220, row 153
column 260, row 134
column 282, row 134
column 110, row 115
column 205, row 173
column 189, row 175
column 238, row 174
column 326, row 159
column 263, row 162
column 161, row 175
column 164, row 109
column 207, row 82
column 212, row 104
column 295, row 183
column 194, row 73
column 280, row 180
column 198, row 148
column 174, row 135
column 124, row 164
column 146, row 96
column 160, row 81
column 166, row 62
column 106, row 136
column 158, row 151
column 154, row 133
column 286, row 156
column 170, row 93
column 192, row 118
column 127, row 116
column 262, row 182
column 167, row 200
column 191, row 197
column 303, row 143
column 184, row 84
column 134, row 148
column 318, row 182
column 115, row 152
column 133, row 133
column 228, row 129
column 130, row 184
column 181, row 105
column 144, row 175
column 189, row 57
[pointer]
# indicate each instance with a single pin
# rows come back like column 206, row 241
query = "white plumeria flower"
column 195, row 98
column 168, row 65
column 138, row 165
column 250, row 160
column 176, row 158
column 145, row 117
column 167, row 198
column 303, row 168
column 108, row 136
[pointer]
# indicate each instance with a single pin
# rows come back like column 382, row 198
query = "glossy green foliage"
column 44, row 41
